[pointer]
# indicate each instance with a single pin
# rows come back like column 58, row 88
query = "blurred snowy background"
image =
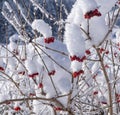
column 53, row 7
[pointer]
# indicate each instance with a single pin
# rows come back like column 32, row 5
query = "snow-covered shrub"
column 41, row 75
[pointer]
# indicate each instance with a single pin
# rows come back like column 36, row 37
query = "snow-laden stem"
column 107, row 81
column 34, row 98
column 114, row 73
column 15, row 57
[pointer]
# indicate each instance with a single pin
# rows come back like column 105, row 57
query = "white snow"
column 31, row 67
column 64, row 85
column 104, row 7
column 74, row 40
column 42, row 27
column 87, row 5
column 4, row 97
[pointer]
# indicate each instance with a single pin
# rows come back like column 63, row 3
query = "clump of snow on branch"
column 42, row 27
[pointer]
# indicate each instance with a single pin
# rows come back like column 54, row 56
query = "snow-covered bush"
column 80, row 76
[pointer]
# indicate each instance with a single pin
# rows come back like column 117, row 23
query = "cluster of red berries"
column 33, row 75
column 101, row 50
column 1, row 68
column 49, row 40
column 51, row 73
column 73, row 58
column 77, row 73
column 92, row 13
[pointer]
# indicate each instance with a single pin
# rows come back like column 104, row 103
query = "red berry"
column 58, row 108
column 101, row 50
column 106, row 66
column 46, row 40
column 78, row 59
column 17, row 108
column 87, row 16
column 72, row 58
column 83, row 58
column 117, row 95
column 88, row 52
column 80, row 72
column 51, row 73
column 2, row 69
column 23, row 59
column 96, row 13
column 95, row 92
column 32, row 94
column 15, row 52
column 52, row 39
column 103, row 102
column 40, row 85
column 74, row 74
column 115, row 54
column 118, row 101
column 94, row 76
column 107, row 52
